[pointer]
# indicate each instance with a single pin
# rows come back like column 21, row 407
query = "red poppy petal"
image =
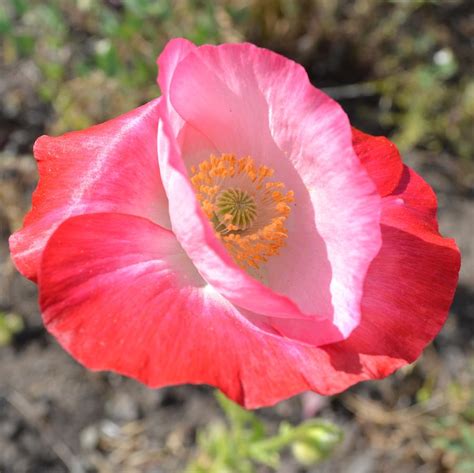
column 418, row 196
column 410, row 284
column 119, row 294
column 409, row 289
column 380, row 158
column 393, row 179
column 108, row 167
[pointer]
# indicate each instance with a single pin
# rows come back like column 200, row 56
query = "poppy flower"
column 237, row 232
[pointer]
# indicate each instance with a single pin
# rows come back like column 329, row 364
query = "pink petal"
column 245, row 100
column 173, row 53
column 108, row 167
column 197, row 237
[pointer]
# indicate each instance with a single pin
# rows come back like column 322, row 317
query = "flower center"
column 247, row 209
column 237, row 207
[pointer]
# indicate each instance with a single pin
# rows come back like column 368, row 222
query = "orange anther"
column 251, row 225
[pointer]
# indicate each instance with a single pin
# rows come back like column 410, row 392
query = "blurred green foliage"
column 399, row 67
column 242, row 444
column 453, row 433
column 10, row 324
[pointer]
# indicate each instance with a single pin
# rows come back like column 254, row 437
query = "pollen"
column 246, row 207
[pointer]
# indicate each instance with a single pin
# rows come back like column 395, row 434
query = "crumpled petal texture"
column 124, row 287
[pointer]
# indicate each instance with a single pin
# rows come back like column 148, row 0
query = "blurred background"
column 399, row 68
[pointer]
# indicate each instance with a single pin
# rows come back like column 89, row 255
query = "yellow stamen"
column 247, row 210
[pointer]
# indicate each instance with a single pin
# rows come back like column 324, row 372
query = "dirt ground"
column 55, row 416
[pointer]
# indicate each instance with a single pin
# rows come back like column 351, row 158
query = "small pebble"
column 122, row 407
column 90, row 437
